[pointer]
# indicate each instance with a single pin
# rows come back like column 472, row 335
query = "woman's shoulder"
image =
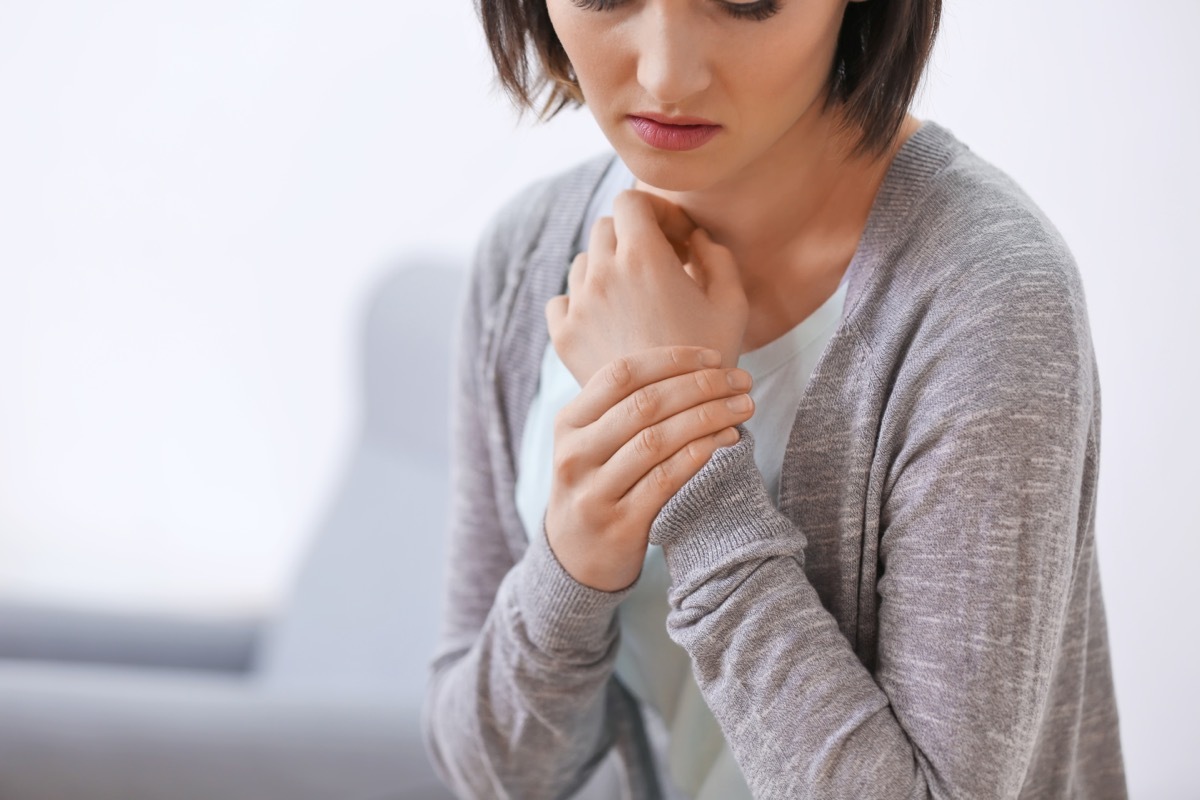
column 968, row 270
column 967, row 220
column 958, row 238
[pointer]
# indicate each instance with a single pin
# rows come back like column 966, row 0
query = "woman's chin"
column 667, row 172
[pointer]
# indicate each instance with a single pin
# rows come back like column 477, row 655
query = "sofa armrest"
column 30, row 631
column 122, row 734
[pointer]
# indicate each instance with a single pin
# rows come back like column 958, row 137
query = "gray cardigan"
column 922, row 615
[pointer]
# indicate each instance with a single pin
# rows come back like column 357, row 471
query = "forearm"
column 950, row 710
column 802, row 715
column 523, row 712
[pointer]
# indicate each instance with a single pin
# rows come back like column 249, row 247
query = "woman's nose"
column 672, row 57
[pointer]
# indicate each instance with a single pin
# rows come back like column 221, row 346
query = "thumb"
column 714, row 263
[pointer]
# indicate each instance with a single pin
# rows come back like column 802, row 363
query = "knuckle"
column 564, row 335
column 697, row 455
column 648, row 442
column 704, row 381
column 660, row 478
column 704, row 416
column 646, row 402
column 566, row 464
column 619, row 373
column 592, row 516
column 633, row 260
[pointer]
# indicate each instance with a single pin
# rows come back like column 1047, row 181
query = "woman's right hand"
column 641, row 427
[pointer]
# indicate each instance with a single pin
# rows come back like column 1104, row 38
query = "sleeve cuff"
column 562, row 616
column 723, row 514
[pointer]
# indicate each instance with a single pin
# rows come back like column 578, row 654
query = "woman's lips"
column 672, row 137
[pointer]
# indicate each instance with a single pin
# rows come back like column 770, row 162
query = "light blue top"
column 651, row 665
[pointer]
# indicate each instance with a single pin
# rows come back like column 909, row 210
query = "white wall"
column 194, row 198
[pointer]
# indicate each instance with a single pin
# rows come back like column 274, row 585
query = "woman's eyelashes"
column 758, row 10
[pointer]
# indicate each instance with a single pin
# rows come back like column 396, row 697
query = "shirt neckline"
column 774, row 354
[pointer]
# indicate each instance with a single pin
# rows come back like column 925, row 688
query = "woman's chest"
column 815, row 457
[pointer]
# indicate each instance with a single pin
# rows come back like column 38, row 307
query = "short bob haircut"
column 882, row 51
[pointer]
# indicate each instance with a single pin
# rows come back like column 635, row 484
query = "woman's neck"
column 794, row 215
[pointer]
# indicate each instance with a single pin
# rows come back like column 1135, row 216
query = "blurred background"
column 200, row 201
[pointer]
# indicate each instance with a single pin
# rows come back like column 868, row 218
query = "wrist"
column 599, row 562
column 596, row 571
column 722, row 514
column 561, row 615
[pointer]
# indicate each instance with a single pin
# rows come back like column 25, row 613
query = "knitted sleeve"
column 985, row 530
column 520, row 703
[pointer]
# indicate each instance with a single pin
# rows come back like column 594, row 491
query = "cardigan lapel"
column 521, row 336
column 831, row 482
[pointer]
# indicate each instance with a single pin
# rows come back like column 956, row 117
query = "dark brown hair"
column 882, row 51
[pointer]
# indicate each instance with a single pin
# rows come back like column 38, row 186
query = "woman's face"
column 758, row 69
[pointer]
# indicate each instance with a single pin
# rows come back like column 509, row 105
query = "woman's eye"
column 596, row 5
column 758, row 10
column 761, row 9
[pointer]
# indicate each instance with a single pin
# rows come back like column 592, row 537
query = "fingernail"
column 739, row 402
column 710, row 358
column 738, row 379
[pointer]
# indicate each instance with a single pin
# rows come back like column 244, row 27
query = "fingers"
column 658, row 226
column 672, row 220
column 556, row 315
column 603, row 238
column 642, row 214
column 623, row 376
column 649, row 418
column 577, row 273
column 667, row 477
column 648, row 453
column 696, row 274
column 556, row 307
column 715, row 264
column 657, row 403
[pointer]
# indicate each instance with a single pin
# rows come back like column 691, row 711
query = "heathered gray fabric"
column 921, row 617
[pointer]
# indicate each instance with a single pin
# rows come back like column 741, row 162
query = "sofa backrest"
column 365, row 603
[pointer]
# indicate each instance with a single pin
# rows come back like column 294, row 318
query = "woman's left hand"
column 650, row 277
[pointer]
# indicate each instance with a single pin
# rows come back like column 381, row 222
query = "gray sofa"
column 321, row 701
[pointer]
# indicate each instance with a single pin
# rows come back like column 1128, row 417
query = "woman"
column 871, row 574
